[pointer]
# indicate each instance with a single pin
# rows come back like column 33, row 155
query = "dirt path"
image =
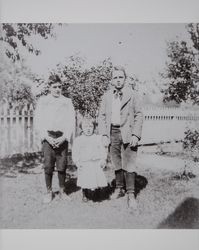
column 166, row 202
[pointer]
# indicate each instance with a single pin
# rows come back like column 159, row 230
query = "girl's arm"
column 103, row 152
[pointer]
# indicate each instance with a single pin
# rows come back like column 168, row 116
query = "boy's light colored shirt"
column 116, row 106
column 56, row 114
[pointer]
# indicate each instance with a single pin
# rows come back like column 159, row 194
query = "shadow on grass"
column 18, row 163
column 102, row 194
column 97, row 195
column 185, row 216
column 140, row 183
column 71, row 186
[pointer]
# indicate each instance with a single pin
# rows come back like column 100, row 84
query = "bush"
column 191, row 143
column 85, row 86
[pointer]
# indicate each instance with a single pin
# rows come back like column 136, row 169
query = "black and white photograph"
column 99, row 126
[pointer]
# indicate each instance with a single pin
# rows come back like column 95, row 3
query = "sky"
column 141, row 48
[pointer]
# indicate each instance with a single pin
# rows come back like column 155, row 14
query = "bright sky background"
column 141, row 48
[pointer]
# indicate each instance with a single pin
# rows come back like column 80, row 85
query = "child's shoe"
column 118, row 193
column 63, row 195
column 131, row 201
column 84, row 198
column 48, row 197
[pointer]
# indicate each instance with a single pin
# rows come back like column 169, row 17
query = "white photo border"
column 99, row 11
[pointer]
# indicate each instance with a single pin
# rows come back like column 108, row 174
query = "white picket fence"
column 17, row 133
column 167, row 124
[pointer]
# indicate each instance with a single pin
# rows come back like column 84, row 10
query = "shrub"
column 191, row 143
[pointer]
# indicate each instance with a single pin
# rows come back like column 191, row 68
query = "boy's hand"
column 50, row 140
column 134, row 141
column 59, row 141
column 103, row 163
column 105, row 141
column 79, row 167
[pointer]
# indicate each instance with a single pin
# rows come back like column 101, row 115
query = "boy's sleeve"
column 102, row 126
column 70, row 121
column 138, row 117
column 103, row 150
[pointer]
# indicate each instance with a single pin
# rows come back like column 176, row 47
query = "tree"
column 15, row 84
column 16, row 78
column 85, row 86
column 193, row 30
column 182, row 72
column 16, row 35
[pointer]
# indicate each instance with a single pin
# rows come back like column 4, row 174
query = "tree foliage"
column 182, row 72
column 16, row 35
column 191, row 143
column 85, row 86
column 16, row 78
column 15, row 84
column 193, row 30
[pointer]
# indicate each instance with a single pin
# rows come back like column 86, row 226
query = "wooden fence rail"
column 17, row 134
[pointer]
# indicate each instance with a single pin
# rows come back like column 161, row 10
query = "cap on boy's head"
column 53, row 78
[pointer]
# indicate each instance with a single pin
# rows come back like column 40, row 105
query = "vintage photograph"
column 99, row 126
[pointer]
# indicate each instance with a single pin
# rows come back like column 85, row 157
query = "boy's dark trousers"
column 55, row 157
column 124, row 160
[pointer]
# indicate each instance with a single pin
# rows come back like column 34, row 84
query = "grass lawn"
column 170, row 199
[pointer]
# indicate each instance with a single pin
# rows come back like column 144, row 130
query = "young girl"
column 89, row 155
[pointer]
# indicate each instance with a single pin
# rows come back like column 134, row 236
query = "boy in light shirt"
column 55, row 124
